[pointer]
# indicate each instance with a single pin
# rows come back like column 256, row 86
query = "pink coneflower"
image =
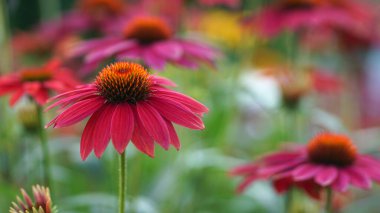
column 329, row 160
column 149, row 39
column 126, row 103
column 298, row 15
column 90, row 17
column 41, row 204
column 37, row 83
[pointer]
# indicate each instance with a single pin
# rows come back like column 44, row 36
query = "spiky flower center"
column 101, row 7
column 36, row 75
column 332, row 149
column 147, row 30
column 300, row 4
column 124, row 82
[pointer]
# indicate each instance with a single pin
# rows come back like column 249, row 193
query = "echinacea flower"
column 298, row 15
column 148, row 39
column 38, row 82
column 329, row 160
column 41, row 204
column 127, row 103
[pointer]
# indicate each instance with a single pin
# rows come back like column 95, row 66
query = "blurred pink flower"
column 126, row 103
column 295, row 15
column 329, row 160
column 230, row 3
column 37, row 82
column 148, row 39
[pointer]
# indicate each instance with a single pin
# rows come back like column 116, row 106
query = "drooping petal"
column 102, row 131
column 174, row 140
column 246, row 182
column 141, row 138
column 326, row 175
column 244, row 169
column 282, row 185
column 359, row 177
column 177, row 113
column 87, row 140
column 154, row 124
column 122, row 126
column 16, row 96
column 306, row 171
column 342, row 182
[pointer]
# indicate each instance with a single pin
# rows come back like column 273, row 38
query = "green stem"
column 122, row 182
column 289, row 200
column 329, row 196
column 44, row 148
column 5, row 48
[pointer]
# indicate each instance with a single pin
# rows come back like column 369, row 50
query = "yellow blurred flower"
column 225, row 27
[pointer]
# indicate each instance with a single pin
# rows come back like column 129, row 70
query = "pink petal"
column 87, row 140
column 141, row 138
column 108, row 51
column 280, row 157
column 102, row 131
column 16, row 96
column 189, row 102
column 304, row 172
column 247, row 181
column 87, row 46
column 153, row 60
column 154, row 124
column 162, row 81
column 72, row 99
column 81, row 90
column 326, row 175
column 359, row 177
column 244, row 169
column 77, row 112
column 168, row 49
column 41, row 96
column 285, row 165
column 342, row 181
column 122, row 126
column 174, row 140
column 177, row 113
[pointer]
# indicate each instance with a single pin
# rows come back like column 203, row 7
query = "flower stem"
column 122, row 182
column 44, row 148
column 329, row 196
column 289, row 200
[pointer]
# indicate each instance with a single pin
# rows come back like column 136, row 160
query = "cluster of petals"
column 142, row 122
column 182, row 52
column 41, row 204
column 38, row 82
column 294, row 167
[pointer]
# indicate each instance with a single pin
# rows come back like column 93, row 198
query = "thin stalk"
column 44, row 148
column 5, row 48
column 289, row 200
column 329, row 196
column 122, row 182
